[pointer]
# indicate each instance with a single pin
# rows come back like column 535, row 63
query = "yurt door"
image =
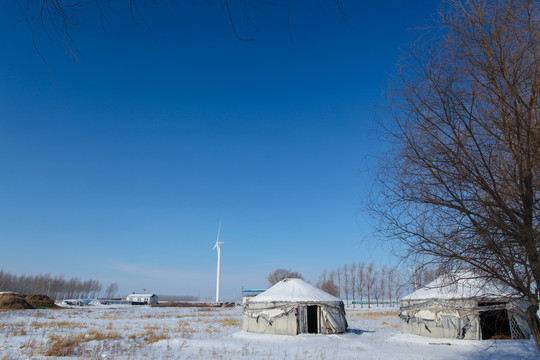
column 313, row 319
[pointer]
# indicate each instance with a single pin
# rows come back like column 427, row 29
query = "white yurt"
column 291, row 307
column 462, row 305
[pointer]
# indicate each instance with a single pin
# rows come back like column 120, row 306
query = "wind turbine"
column 218, row 246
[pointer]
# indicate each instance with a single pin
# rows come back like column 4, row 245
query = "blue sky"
column 118, row 166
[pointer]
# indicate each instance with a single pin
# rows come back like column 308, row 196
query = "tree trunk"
column 531, row 319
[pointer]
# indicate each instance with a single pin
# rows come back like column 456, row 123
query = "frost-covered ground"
column 142, row 332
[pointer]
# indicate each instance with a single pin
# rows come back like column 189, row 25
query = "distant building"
column 142, row 299
column 248, row 294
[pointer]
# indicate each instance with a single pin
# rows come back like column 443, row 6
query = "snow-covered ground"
column 142, row 332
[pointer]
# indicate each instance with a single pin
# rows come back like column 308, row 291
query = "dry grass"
column 13, row 329
column 211, row 330
column 73, row 334
column 152, row 338
column 57, row 324
column 63, row 346
column 70, row 345
column 161, row 316
column 109, row 317
column 229, row 322
column 151, row 327
column 374, row 314
column 101, row 335
column 184, row 330
column 149, row 336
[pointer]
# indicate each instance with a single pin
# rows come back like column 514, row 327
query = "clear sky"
column 118, row 166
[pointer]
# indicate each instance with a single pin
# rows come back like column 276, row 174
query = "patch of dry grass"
column 63, row 346
column 152, row 338
column 149, row 336
column 151, row 327
column 159, row 316
column 101, row 335
column 107, row 316
column 13, row 329
column 229, row 322
column 55, row 324
column 184, row 330
column 70, row 345
column 373, row 315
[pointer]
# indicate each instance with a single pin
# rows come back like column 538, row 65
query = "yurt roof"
column 293, row 290
column 459, row 285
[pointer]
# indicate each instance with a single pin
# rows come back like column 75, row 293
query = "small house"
column 142, row 299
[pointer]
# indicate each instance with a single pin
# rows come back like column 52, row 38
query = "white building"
column 141, row 299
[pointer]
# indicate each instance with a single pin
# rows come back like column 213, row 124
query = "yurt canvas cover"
column 292, row 307
column 462, row 306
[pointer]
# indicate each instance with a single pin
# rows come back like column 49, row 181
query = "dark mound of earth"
column 40, row 301
column 12, row 301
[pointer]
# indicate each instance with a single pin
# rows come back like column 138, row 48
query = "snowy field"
column 142, row 332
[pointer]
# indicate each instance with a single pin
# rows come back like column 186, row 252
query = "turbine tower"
column 218, row 246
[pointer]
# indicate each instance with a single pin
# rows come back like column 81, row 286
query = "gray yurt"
column 461, row 305
column 292, row 307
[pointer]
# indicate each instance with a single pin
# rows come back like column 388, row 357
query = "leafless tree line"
column 56, row 287
column 364, row 283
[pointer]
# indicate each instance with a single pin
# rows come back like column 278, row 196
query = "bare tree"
column 338, row 277
column 327, row 283
column 323, row 277
column 390, row 278
column 370, row 276
column 461, row 186
column 382, row 283
column 333, row 278
column 111, row 290
column 329, row 286
column 55, row 287
column 352, row 275
column 346, row 283
column 281, row 274
column 361, row 281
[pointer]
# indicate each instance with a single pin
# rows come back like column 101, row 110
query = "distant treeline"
column 56, row 287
